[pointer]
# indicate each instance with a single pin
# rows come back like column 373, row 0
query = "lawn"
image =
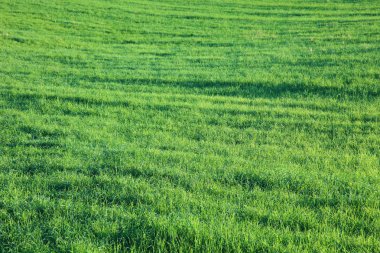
column 189, row 126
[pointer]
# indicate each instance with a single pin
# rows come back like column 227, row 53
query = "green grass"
column 189, row 126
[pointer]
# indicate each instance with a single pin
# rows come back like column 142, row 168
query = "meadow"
column 189, row 126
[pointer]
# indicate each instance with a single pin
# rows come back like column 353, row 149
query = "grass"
column 189, row 126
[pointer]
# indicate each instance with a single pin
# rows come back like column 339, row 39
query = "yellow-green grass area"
column 189, row 126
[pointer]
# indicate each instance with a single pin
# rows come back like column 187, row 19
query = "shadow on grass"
column 252, row 89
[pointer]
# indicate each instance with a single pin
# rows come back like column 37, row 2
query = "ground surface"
column 212, row 126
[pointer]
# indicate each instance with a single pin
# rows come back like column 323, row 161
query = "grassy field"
column 189, row 126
